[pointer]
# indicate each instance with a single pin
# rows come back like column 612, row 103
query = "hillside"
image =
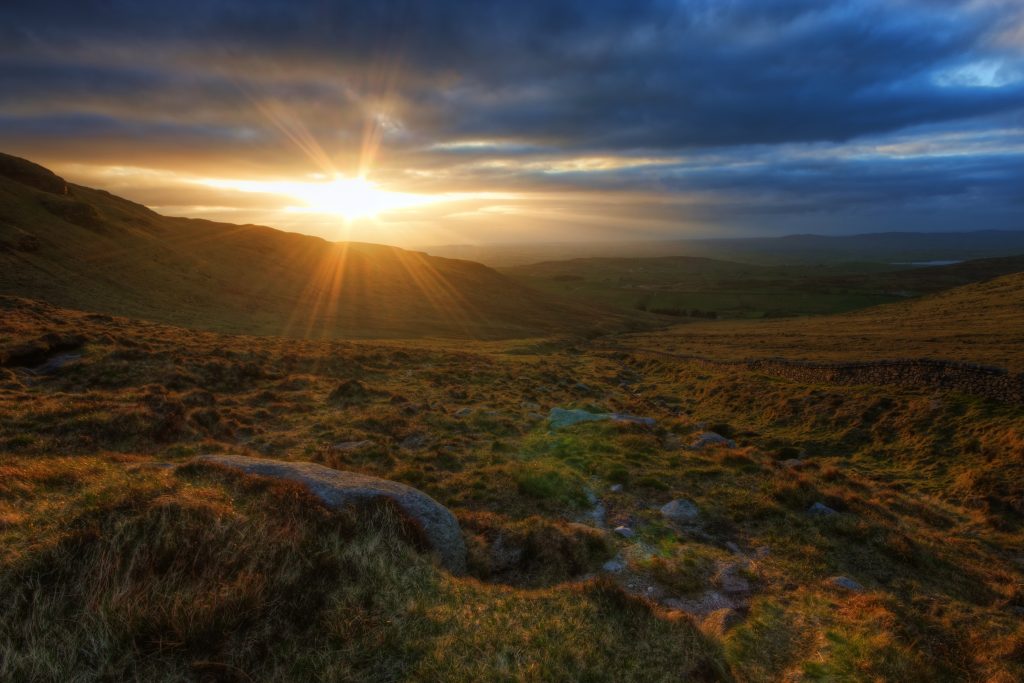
column 680, row 285
column 845, row 533
column 87, row 249
column 980, row 323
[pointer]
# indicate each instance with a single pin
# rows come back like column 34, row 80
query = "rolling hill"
column 87, row 249
column 978, row 323
column 678, row 285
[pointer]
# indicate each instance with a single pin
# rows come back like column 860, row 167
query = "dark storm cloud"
column 541, row 81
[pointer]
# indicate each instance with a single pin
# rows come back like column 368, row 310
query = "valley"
column 636, row 496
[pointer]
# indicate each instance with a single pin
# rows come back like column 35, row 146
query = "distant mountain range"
column 888, row 247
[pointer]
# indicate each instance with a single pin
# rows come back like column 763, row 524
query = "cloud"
column 667, row 102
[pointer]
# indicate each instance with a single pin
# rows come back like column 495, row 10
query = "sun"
column 348, row 198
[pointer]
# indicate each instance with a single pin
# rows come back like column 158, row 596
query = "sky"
column 497, row 121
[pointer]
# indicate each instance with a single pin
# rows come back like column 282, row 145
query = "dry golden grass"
column 980, row 323
column 117, row 569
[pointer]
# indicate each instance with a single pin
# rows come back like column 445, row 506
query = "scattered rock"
column 625, row 531
column 338, row 490
column 821, row 510
column 616, row 488
column 680, row 511
column 582, row 388
column 794, row 463
column 712, row 439
column 733, row 548
column 845, row 583
column 464, row 412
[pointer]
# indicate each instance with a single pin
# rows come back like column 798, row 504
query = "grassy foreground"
column 118, row 560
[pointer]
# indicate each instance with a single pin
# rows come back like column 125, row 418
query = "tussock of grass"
column 160, row 576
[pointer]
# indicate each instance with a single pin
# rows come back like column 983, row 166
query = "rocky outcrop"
column 344, row 490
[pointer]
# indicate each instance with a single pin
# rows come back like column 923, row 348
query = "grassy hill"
column 981, row 323
column 117, row 557
column 683, row 285
column 87, row 249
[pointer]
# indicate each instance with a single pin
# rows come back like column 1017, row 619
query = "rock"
column 712, row 439
column 464, row 412
column 614, row 565
column 733, row 548
column 680, row 511
column 731, row 580
column 340, row 490
column 582, row 388
column 560, row 418
column 794, row 463
column 616, row 488
column 706, row 603
column 598, row 515
column 625, row 531
column 821, row 510
column 845, row 583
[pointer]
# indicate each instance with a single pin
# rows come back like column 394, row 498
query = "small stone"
column 625, row 531
column 733, row 548
column 846, row 584
column 680, row 510
column 464, row 412
column 821, row 510
column 794, row 463
column 614, row 566
column 616, row 488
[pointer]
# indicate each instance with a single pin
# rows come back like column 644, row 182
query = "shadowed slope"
column 87, row 249
column 978, row 323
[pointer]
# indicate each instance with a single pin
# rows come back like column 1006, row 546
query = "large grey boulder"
column 339, row 490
